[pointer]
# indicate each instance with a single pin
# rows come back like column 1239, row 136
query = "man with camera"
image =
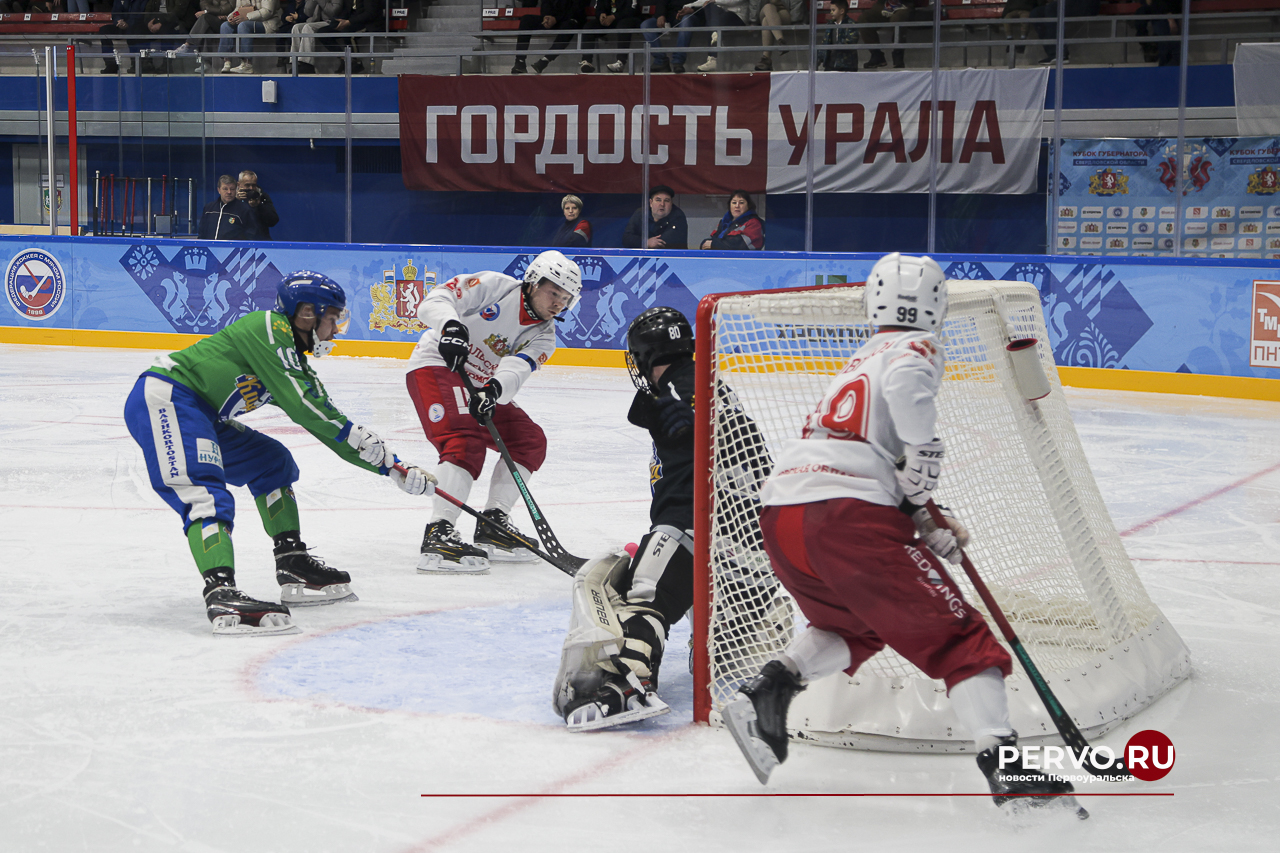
column 248, row 191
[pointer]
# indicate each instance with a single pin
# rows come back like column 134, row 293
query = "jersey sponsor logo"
column 472, row 282
column 35, row 284
column 250, row 393
column 936, row 585
column 490, row 312
column 396, row 299
column 208, row 452
column 498, row 344
column 435, row 413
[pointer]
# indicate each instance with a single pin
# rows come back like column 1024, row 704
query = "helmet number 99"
column 906, row 315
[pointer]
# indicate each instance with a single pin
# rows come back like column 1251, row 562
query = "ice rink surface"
column 127, row 726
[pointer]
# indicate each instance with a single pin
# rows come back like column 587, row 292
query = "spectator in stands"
column 167, row 18
column 840, row 31
column 1049, row 30
column 248, row 191
column 250, row 17
column 664, row 15
column 705, row 13
column 1018, row 9
column 774, row 13
column 228, row 217
column 127, row 18
column 316, row 16
column 611, row 15
column 739, row 228
column 1168, row 23
column 668, row 228
column 575, row 231
column 562, row 15
column 893, row 11
column 210, row 18
column 367, row 16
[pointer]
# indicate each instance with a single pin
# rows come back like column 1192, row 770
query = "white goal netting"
column 1015, row 473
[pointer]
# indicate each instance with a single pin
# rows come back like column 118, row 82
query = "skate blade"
column 740, row 719
column 230, row 626
column 515, row 555
column 434, row 564
column 300, row 595
column 590, row 718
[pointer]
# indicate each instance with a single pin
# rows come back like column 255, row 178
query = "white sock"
column 983, row 708
column 456, row 482
column 816, row 653
column 503, row 491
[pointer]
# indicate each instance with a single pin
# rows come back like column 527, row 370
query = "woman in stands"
column 740, row 228
column 575, row 232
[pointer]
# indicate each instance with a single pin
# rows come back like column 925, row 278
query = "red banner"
column 584, row 134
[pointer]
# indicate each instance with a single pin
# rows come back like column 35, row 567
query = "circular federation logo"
column 435, row 413
column 35, row 285
column 491, row 313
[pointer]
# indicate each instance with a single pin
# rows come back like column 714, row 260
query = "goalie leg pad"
column 608, row 664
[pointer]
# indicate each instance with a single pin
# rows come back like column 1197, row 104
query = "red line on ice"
column 1202, row 499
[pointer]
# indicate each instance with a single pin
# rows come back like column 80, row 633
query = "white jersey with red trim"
column 881, row 400
column 507, row 342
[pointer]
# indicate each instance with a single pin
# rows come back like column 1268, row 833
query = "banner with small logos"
column 1120, row 197
column 1208, row 317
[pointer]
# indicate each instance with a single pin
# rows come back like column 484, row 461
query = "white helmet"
column 557, row 269
column 907, row 291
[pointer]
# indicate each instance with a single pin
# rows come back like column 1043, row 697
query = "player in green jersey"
column 182, row 414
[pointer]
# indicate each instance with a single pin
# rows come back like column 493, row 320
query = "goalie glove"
column 455, row 345
column 371, row 448
column 675, row 415
column 412, row 479
column 948, row 542
column 919, row 469
column 485, row 400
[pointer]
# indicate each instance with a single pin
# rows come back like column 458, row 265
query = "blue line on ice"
column 421, row 664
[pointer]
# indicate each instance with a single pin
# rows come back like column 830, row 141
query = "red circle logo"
column 1149, row 755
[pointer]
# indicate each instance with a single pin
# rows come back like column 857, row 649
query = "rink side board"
column 1187, row 326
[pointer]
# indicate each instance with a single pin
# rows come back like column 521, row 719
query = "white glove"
column 371, row 448
column 947, row 542
column 413, row 480
column 918, row 475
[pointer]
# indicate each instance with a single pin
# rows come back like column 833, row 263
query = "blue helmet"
column 306, row 286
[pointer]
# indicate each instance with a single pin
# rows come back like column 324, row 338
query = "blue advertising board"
column 1151, row 314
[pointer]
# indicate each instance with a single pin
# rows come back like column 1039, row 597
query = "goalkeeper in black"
column 609, row 667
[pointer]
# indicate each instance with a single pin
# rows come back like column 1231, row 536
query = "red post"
column 73, row 164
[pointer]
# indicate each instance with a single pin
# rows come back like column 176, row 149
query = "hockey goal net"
column 1015, row 473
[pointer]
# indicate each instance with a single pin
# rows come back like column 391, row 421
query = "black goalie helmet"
column 660, row 335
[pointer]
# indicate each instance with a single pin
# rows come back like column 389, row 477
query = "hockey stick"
column 562, row 559
column 478, row 516
column 1071, row 734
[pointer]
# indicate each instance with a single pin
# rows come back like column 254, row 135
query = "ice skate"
column 235, row 614
column 758, row 718
column 444, row 553
column 1015, row 787
column 615, row 704
column 501, row 547
column 306, row 581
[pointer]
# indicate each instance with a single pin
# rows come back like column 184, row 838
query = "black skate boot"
column 235, row 614
column 500, row 546
column 1014, row 785
column 618, row 702
column 444, row 553
column 758, row 718
column 306, row 580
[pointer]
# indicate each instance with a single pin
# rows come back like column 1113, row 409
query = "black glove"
column 676, row 417
column 455, row 345
column 485, row 400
